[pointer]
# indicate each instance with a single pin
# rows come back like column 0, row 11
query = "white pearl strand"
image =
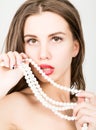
column 48, row 102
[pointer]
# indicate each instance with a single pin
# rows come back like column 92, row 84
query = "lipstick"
column 47, row 69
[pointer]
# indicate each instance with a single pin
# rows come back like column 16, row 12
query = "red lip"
column 47, row 69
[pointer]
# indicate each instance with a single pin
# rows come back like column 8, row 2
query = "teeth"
column 46, row 69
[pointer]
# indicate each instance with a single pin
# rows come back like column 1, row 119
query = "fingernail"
column 12, row 67
column 77, row 94
column 2, row 64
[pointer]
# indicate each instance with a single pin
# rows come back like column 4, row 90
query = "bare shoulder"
column 10, row 102
column 12, row 106
column 14, row 101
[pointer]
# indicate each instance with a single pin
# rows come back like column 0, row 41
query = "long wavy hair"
column 15, row 37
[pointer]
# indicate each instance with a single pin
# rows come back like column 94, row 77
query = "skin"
column 46, row 48
column 43, row 45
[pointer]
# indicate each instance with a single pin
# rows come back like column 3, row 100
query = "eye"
column 31, row 41
column 57, row 39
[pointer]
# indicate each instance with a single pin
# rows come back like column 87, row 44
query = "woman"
column 49, row 32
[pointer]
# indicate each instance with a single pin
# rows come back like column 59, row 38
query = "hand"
column 85, row 111
column 10, row 73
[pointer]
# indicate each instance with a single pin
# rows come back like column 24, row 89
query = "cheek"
column 64, row 63
column 65, row 53
column 64, row 58
column 27, row 50
column 31, row 53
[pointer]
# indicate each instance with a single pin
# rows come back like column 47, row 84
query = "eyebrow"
column 29, row 35
column 56, row 33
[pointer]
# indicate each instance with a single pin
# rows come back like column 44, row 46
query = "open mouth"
column 47, row 69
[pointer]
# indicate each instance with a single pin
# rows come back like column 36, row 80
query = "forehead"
column 45, row 22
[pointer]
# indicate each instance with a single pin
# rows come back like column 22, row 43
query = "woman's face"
column 49, row 42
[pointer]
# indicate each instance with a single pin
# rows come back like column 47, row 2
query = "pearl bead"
column 54, row 106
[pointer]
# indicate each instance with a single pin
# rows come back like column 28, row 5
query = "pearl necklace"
column 46, row 101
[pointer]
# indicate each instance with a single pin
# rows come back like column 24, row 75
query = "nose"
column 45, row 53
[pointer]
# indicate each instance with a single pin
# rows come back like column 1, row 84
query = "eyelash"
column 33, row 41
column 57, row 39
column 54, row 39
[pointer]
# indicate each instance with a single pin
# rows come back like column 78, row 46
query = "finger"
column 80, row 99
column 19, row 58
column 87, row 112
column 90, row 121
column 24, row 56
column 4, row 60
column 12, row 59
column 80, row 123
column 85, row 94
column 81, row 106
column 91, row 97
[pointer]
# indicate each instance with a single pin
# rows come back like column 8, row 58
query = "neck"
column 55, row 93
column 55, row 106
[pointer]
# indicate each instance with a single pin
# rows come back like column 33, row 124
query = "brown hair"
column 15, row 41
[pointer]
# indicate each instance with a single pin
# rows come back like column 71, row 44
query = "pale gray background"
column 87, row 10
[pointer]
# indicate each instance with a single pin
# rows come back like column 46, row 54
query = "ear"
column 75, row 48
